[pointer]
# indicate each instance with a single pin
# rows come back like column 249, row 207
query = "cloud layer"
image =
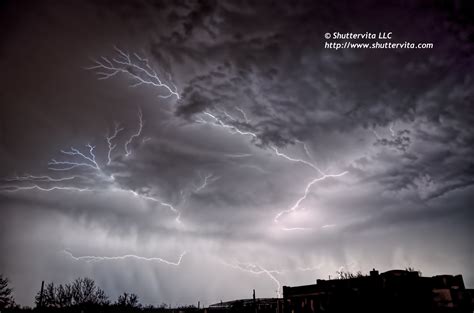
column 264, row 110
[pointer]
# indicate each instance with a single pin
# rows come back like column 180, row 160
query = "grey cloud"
column 404, row 199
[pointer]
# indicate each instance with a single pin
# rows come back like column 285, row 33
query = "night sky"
column 241, row 145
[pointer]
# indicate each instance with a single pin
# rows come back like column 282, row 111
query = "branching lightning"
column 206, row 181
column 243, row 114
column 44, row 178
column 256, row 269
column 109, row 139
column 233, row 129
column 209, row 178
column 216, row 121
column 85, row 161
column 306, row 192
column 31, row 182
column 40, row 188
column 306, row 150
column 138, row 133
column 93, row 258
column 141, row 73
column 160, row 202
column 79, row 159
column 137, row 68
column 278, row 153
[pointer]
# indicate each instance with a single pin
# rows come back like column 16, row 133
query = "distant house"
column 392, row 291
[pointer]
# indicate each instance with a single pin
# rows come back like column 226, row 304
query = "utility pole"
column 41, row 295
column 254, row 302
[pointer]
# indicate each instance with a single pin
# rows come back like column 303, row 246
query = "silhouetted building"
column 392, row 291
column 262, row 305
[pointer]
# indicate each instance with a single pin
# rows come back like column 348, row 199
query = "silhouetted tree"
column 128, row 300
column 49, row 296
column 347, row 275
column 6, row 298
column 83, row 291
column 412, row 269
column 64, row 296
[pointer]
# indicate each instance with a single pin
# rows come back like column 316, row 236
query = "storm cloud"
column 263, row 110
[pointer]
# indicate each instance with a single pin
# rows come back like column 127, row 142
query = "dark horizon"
column 202, row 149
column 48, row 290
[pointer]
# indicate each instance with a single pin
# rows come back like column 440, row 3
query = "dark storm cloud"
column 398, row 121
column 263, row 66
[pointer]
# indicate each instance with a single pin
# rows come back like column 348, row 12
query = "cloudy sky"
column 196, row 150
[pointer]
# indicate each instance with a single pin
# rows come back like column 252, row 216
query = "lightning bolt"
column 308, row 186
column 206, row 179
column 78, row 159
column 183, row 193
column 238, row 155
column 44, row 178
column 34, row 180
column 138, row 133
column 234, row 129
column 244, row 115
column 153, row 199
column 306, row 150
column 309, row 269
column 141, row 73
column 278, row 153
column 134, row 66
column 256, row 269
column 295, row 228
column 229, row 116
column 93, row 258
column 231, row 128
column 109, row 139
column 392, row 131
column 87, row 161
column 37, row 187
column 305, row 195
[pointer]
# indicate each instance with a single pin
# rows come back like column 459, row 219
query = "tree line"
column 82, row 291
column 6, row 298
column 82, row 295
